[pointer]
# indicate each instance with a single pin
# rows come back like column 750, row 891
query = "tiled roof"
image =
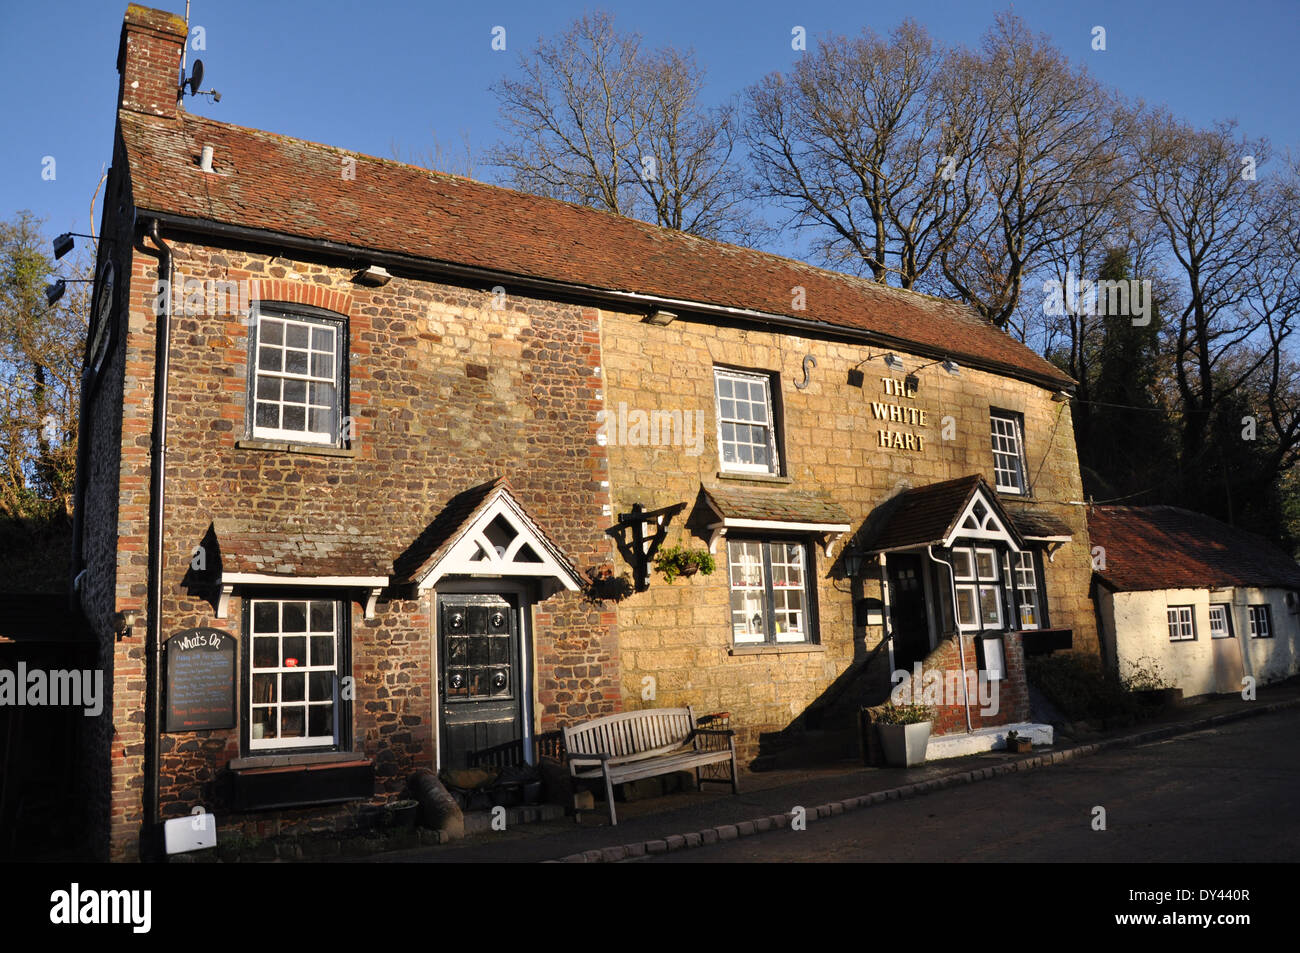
column 438, row 537
column 1165, row 547
column 1035, row 524
column 926, row 514
column 290, row 186
column 780, row 506
column 299, row 551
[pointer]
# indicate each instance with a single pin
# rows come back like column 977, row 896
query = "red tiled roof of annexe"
column 289, row 186
column 1165, row 547
column 299, row 551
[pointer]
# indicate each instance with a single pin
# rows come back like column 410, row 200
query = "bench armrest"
column 594, row 758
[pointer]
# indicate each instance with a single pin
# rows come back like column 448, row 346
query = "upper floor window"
column 746, row 425
column 1008, row 451
column 297, row 378
column 1261, row 622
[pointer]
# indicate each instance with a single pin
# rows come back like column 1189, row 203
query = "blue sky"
column 367, row 75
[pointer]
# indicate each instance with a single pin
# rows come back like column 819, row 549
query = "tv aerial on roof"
column 195, row 81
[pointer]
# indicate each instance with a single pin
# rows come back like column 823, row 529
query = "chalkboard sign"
column 200, row 680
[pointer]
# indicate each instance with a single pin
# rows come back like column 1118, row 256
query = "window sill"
column 308, row 449
column 785, row 648
column 754, row 477
column 319, row 759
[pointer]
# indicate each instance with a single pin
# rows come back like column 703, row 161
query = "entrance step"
column 963, row 743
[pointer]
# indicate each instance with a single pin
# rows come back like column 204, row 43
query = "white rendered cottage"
column 1207, row 603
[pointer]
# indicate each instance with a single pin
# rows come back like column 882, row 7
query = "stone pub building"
column 395, row 448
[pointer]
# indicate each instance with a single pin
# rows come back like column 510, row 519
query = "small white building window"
column 1025, row 581
column 1261, row 622
column 1220, row 622
column 1182, row 627
column 1008, row 452
column 297, row 379
column 746, row 424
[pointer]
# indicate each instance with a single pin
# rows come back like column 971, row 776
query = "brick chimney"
column 149, row 61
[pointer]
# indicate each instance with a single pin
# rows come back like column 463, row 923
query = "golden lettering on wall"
column 896, row 412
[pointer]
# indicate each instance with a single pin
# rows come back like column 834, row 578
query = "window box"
column 297, row 781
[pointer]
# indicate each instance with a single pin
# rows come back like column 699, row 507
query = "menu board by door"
column 200, row 680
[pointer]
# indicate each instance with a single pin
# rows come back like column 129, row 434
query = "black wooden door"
column 907, row 610
column 479, row 692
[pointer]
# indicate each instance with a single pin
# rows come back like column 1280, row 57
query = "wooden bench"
column 645, row 744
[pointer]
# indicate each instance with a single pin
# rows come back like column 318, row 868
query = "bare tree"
column 1218, row 226
column 594, row 119
column 1050, row 165
column 854, row 143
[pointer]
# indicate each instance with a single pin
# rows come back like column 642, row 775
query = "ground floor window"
column 297, row 660
column 978, row 586
column 770, row 596
column 1182, row 627
column 1220, row 622
column 1024, row 577
column 1261, row 622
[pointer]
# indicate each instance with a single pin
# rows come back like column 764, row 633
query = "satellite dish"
column 196, row 77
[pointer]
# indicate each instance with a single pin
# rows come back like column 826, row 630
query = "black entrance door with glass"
column 908, row 620
column 479, row 662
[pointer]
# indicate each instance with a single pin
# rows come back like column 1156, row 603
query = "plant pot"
column 402, row 815
column 904, row 745
column 688, row 570
column 1020, row 745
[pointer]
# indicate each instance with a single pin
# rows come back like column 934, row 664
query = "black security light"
column 64, row 243
column 55, row 291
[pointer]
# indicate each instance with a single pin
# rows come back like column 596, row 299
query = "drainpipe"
column 961, row 640
column 157, row 476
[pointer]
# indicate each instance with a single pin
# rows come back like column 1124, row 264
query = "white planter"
column 904, row 745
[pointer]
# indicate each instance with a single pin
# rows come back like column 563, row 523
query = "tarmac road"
column 1224, row 794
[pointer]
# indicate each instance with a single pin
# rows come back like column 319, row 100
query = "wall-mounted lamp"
column 948, row 364
column 854, row 560
column 893, row 362
column 123, row 623
column 1060, row 397
column 376, row 276
column 55, row 291
column 660, row 318
column 64, row 243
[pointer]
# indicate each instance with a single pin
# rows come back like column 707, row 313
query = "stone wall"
column 446, row 392
column 677, row 637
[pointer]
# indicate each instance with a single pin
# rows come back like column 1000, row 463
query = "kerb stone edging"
column 776, row 822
